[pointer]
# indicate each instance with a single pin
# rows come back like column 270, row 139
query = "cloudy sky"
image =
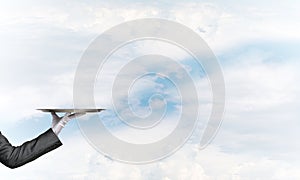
column 255, row 42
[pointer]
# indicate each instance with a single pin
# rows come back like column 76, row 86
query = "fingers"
column 76, row 115
column 67, row 114
column 54, row 115
column 58, row 123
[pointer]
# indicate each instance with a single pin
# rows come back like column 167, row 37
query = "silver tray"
column 71, row 110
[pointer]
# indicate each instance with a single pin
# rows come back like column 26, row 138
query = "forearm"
column 15, row 156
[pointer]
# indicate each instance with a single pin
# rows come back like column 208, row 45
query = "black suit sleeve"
column 16, row 156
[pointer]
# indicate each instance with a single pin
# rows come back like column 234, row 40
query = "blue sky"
column 257, row 46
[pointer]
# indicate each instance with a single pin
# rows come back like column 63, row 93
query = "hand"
column 59, row 122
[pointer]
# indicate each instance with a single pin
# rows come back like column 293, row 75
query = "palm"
column 55, row 119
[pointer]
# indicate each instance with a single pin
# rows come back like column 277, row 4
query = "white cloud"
column 77, row 160
column 217, row 22
column 256, row 139
column 21, row 102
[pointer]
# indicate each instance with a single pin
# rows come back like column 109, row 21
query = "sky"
column 256, row 44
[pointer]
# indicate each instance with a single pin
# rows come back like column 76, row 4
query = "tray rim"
column 64, row 110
